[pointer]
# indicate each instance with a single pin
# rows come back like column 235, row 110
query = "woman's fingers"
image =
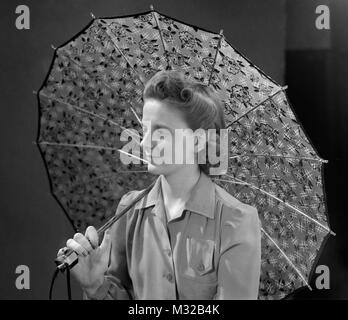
column 83, row 241
column 92, row 236
column 83, row 244
column 61, row 252
column 75, row 246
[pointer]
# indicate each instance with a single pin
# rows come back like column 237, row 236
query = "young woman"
column 187, row 238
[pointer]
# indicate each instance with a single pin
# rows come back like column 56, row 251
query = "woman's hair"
column 199, row 104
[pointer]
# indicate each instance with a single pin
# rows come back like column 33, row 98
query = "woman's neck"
column 177, row 186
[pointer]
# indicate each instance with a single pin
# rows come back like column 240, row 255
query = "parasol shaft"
column 70, row 258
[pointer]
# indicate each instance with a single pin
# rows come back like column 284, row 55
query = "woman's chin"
column 158, row 169
column 154, row 169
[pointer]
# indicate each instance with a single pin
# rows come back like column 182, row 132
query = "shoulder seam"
column 237, row 203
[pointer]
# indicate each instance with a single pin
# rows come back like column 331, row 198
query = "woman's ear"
column 212, row 139
column 200, row 145
column 200, row 140
column 218, row 151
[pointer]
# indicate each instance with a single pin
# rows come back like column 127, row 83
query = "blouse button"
column 170, row 277
column 201, row 267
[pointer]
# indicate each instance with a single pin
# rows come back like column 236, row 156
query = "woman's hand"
column 93, row 259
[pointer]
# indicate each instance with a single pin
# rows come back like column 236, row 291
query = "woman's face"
column 159, row 119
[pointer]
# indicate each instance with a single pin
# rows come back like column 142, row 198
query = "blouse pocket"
column 200, row 257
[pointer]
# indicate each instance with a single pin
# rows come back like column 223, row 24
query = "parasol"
column 93, row 92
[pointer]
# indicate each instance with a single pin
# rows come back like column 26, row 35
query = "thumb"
column 106, row 243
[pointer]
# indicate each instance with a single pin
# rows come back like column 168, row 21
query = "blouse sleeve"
column 240, row 255
column 117, row 283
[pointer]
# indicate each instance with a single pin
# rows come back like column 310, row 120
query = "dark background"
column 279, row 36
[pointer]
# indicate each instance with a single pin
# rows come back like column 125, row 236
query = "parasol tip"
column 53, row 47
column 152, row 8
column 92, row 15
column 221, row 32
column 34, row 92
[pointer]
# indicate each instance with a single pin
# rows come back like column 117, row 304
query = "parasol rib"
column 215, row 57
column 107, row 176
column 75, row 145
column 287, row 258
column 90, row 113
column 89, row 146
column 154, row 15
column 107, row 31
column 132, row 155
column 280, row 200
column 134, row 112
column 81, row 66
column 259, row 104
column 277, row 155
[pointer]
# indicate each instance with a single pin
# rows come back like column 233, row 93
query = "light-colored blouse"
column 211, row 251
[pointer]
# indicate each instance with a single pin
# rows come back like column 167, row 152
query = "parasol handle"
column 70, row 258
